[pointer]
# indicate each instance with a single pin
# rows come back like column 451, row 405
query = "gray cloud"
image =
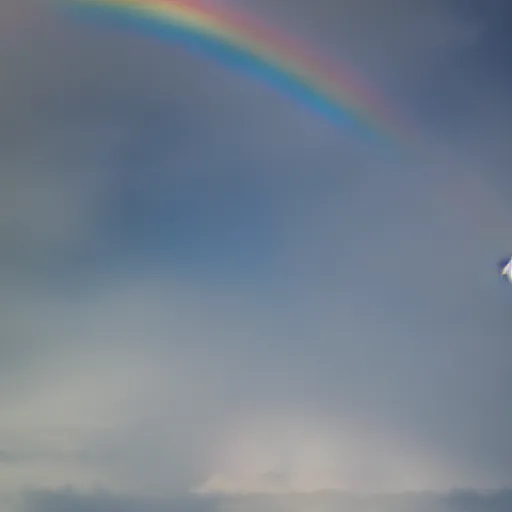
column 206, row 287
column 66, row 500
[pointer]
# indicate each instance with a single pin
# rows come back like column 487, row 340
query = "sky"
column 215, row 300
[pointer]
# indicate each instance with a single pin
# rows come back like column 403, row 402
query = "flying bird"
column 505, row 267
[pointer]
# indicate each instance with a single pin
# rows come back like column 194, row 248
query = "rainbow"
column 244, row 42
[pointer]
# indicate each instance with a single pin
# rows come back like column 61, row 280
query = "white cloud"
column 286, row 453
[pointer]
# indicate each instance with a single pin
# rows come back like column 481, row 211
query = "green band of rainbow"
column 288, row 59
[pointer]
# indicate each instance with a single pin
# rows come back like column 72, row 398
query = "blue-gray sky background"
column 213, row 299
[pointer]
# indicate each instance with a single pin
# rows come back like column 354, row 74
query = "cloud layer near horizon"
column 66, row 499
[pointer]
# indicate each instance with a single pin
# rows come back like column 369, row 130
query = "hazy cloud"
column 208, row 290
column 67, row 500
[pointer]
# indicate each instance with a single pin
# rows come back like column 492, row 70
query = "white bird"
column 506, row 268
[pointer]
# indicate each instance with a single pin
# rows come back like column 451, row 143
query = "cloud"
column 206, row 288
column 93, row 404
column 301, row 452
column 67, row 499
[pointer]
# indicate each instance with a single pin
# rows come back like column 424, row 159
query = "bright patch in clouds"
column 301, row 453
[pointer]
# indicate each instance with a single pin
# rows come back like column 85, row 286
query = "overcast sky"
column 214, row 300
